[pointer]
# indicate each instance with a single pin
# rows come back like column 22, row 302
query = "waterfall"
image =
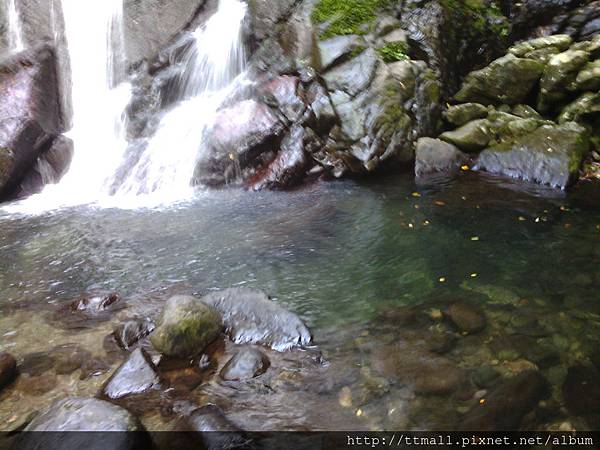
column 213, row 67
column 15, row 36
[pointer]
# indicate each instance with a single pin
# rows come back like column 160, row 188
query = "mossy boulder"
column 550, row 155
column 186, row 327
column 589, row 78
column 472, row 137
column 526, row 112
column 560, row 42
column 587, row 104
column 507, row 80
column 559, row 76
column 461, row 114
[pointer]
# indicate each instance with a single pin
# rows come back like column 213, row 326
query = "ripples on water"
column 341, row 255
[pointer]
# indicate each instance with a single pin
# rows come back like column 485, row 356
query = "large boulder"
column 186, row 327
column 434, row 155
column 550, row 155
column 560, row 75
column 507, row 80
column 250, row 317
column 31, row 112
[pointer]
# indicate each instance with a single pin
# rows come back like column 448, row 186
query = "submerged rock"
column 216, row 430
column 435, row 155
column 136, row 375
column 507, row 80
column 250, row 317
column 581, row 390
column 247, row 363
column 506, row 406
column 186, row 327
column 467, row 318
column 550, row 155
column 8, row 369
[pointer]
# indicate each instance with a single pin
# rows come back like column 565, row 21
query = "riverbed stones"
column 507, row 404
column 436, row 156
column 507, row 80
column 250, row 317
column 550, row 155
column 247, row 363
column 8, row 369
column 466, row 317
column 581, row 390
column 186, row 327
column 135, row 376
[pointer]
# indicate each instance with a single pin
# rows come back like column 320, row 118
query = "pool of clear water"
column 353, row 259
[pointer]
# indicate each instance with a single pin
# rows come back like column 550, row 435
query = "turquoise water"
column 348, row 257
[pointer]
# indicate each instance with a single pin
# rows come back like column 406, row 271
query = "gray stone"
column 355, row 75
column 559, row 75
column 135, row 376
column 251, row 318
column 472, row 137
column 247, row 363
column 435, row 155
column 334, row 50
column 560, row 41
column 459, row 115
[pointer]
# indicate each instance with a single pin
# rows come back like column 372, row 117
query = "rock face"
column 8, row 369
column 251, row 318
column 134, row 376
column 84, row 414
column 550, row 155
column 436, row 156
column 506, row 406
column 247, row 363
column 31, row 112
column 186, row 327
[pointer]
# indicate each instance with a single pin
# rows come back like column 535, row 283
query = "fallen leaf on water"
column 442, row 280
column 522, row 219
column 465, row 168
column 474, row 275
column 416, row 194
column 439, row 203
column 475, row 238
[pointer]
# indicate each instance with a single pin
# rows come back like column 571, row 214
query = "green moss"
column 346, row 16
column 484, row 17
column 393, row 51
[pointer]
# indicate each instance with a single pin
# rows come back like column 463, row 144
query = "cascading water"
column 15, row 35
column 213, row 67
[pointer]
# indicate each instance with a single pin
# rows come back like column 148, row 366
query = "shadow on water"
column 424, row 299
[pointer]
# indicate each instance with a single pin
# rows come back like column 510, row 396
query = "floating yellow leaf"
column 416, row 194
column 474, row 275
column 522, row 219
column 442, row 279
column 439, row 203
column 475, row 238
column 465, row 168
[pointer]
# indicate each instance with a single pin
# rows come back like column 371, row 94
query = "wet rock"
column 561, row 42
column 247, row 363
column 525, row 112
column 216, row 430
column 485, row 376
column 435, row 155
column 241, row 133
column 354, row 76
column 550, row 155
column 506, row 405
column 283, row 94
column 459, row 115
column 507, row 80
column 467, row 318
column 8, row 369
column 136, row 375
column 250, row 317
column 581, row 390
column 68, row 358
column 585, row 105
column 132, row 331
column 93, row 367
column 289, row 166
column 76, row 414
column 472, row 137
column 186, row 327
column 31, row 113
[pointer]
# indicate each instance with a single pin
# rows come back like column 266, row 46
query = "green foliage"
column 393, row 51
column 346, row 16
column 485, row 17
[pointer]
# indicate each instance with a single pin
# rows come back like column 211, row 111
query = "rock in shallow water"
column 436, row 156
column 506, row 406
column 131, row 332
column 467, row 318
column 8, row 369
column 186, row 327
column 216, row 430
column 581, row 390
column 246, row 364
column 134, row 376
column 251, row 318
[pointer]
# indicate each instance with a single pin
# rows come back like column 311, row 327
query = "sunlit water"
column 348, row 258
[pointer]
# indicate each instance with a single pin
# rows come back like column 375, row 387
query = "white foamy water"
column 213, row 67
column 15, row 35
